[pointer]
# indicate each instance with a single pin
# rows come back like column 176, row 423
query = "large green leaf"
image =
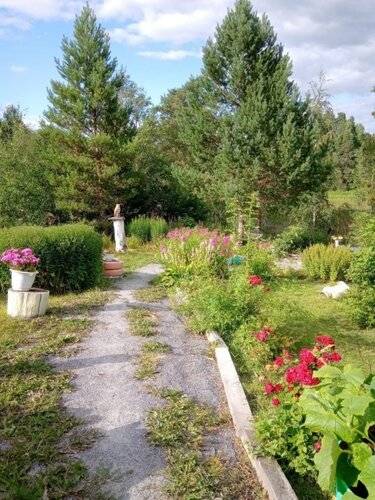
column 329, row 423
column 361, row 454
column 326, row 463
column 353, row 375
column 329, row 371
column 367, row 476
column 356, row 405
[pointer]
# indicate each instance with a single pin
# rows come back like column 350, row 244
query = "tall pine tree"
column 88, row 122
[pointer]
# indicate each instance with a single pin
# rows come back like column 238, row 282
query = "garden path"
column 110, row 400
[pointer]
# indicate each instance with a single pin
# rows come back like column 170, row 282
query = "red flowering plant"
column 291, row 374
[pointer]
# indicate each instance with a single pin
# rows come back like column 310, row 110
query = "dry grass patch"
column 141, row 322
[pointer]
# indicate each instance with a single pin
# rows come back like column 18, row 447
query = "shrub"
column 70, row 255
column 148, row 228
column 297, row 238
column 258, row 261
column 327, row 263
column 133, row 242
column 362, row 269
column 362, row 305
column 140, row 227
column 158, row 227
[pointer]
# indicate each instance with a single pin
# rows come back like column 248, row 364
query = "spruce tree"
column 88, row 122
column 268, row 146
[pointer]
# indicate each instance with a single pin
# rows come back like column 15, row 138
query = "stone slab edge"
column 267, row 469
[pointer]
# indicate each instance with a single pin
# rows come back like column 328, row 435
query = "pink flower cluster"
column 22, row 259
column 299, row 372
column 255, row 280
column 264, row 334
column 183, row 233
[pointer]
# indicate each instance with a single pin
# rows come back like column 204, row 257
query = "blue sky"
column 159, row 43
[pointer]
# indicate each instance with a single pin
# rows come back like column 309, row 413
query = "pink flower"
column 325, row 340
column 301, row 374
column 255, row 280
column 278, row 361
column 275, row 401
column 263, row 334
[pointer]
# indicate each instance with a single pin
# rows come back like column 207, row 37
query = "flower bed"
column 276, row 370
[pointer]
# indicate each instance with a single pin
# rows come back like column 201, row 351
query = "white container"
column 22, row 281
column 27, row 304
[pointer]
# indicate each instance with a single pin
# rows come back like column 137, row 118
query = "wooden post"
column 27, row 304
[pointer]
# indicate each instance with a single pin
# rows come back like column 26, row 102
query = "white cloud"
column 15, row 68
column 169, row 55
column 336, row 36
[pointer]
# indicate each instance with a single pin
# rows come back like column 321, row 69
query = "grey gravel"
column 110, row 400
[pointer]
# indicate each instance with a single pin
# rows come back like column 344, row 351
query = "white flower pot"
column 22, row 281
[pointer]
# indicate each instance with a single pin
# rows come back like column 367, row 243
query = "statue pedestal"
column 27, row 304
column 119, row 233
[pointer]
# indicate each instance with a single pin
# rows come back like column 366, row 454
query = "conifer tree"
column 88, row 122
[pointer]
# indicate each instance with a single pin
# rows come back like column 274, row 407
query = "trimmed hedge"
column 70, row 255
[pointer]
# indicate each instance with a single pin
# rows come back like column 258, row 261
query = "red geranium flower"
column 317, row 446
column 325, row 340
column 306, row 356
column 270, row 388
column 255, row 280
column 332, row 357
column 275, row 401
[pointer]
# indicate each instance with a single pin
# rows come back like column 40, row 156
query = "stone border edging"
column 268, row 470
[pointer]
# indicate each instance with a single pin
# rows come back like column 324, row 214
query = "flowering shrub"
column 189, row 252
column 22, row 259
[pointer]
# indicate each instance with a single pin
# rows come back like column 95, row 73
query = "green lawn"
column 352, row 198
column 326, row 316
column 135, row 258
column 34, row 428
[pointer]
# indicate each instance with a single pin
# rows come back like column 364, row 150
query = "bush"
column 297, row 238
column 158, row 227
column 362, row 304
column 140, row 227
column 70, row 255
column 148, row 228
column 133, row 242
column 258, row 261
column 362, row 269
column 327, row 263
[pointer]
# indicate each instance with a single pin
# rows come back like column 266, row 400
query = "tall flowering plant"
column 20, row 259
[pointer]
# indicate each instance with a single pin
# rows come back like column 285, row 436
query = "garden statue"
column 117, row 210
column 118, row 228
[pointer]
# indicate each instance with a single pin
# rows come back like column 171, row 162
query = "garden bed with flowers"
column 295, row 357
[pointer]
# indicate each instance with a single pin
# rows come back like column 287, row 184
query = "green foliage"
column 140, row 227
column 70, row 255
column 296, row 238
column 147, row 228
column 221, row 305
column 342, row 409
column 282, row 435
column 258, row 261
column 328, row 263
column 134, row 242
column 25, row 192
column 362, row 269
column 362, row 304
column 88, row 123
column 158, row 227
column 366, row 172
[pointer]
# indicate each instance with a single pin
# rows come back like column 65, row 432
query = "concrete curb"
column 268, row 470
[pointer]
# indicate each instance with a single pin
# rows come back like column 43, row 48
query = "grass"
column 180, row 426
column 323, row 315
column 136, row 258
column 150, row 294
column 352, row 198
column 149, row 358
column 141, row 322
column 33, row 426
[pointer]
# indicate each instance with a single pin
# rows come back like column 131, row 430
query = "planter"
column 28, row 304
column 22, row 281
column 113, row 268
